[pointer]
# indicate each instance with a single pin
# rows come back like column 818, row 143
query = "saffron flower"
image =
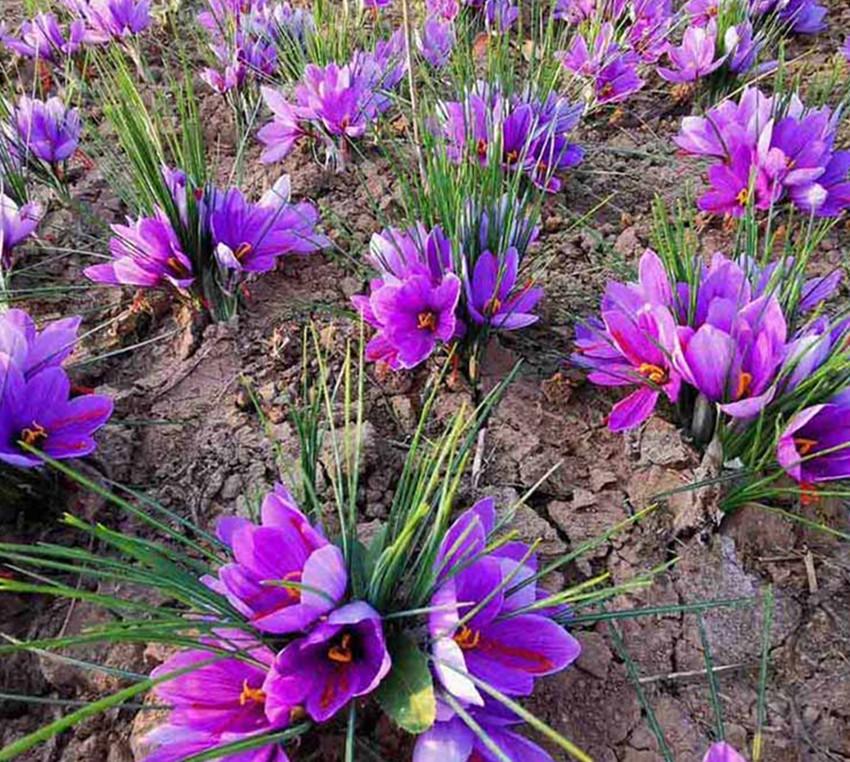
column 286, row 128
column 533, row 133
column 801, row 16
column 220, row 701
column 500, row 15
column 343, row 657
column 413, row 304
column 442, row 9
column 733, row 358
column 16, row 225
column 285, row 548
column 42, row 39
column 768, row 152
column 722, row 752
column 146, row 253
column 46, row 129
column 478, row 626
column 644, row 342
column 452, row 739
column 815, row 445
column 107, row 20
column 492, row 297
column 696, row 57
column 415, row 315
column 437, row 41
column 31, row 350
column 39, row 412
column 251, row 236
column 332, row 96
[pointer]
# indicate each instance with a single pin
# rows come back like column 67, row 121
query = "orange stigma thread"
column 243, row 251
column 467, row 638
column 251, row 694
column 745, row 380
column 341, row 653
column 804, row 446
column 35, row 436
column 426, row 321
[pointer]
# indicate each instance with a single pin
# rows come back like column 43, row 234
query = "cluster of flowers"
column 334, row 103
column 243, row 236
column 613, row 41
column 616, row 37
column 245, row 38
column 499, row 15
column 37, row 403
column 94, row 22
column 521, row 133
column 45, row 131
column 427, row 292
column 729, row 342
column 769, row 150
column 17, row 223
column 314, row 650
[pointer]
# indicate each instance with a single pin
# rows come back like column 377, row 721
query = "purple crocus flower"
column 39, row 412
column 344, row 656
column 43, row 39
column 452, row 739
column 498, row 643
column 220, row 701
column 829, row 194
column 250, row 237
column 413, row 303
column 437, row 41
column 444, row 9
column 617, row 80
column 733, row 358
column 284, row 548
column 722, row 752
column 845, row 50
column 695, row 57
column 815, row 446
column 733, row 189
column 16, row 225
column 803, row 16
column 492, row 297
column 743, row 47
column 415, row 315
column 645, row 340
column 111, row 19
column 333, row 97
column 47, row 129
column 31, row 350
column 286, row 128
column 146, row 253
column 701, row 12
column 574, row 11
column 500, row 15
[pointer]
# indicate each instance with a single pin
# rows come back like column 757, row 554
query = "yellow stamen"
column 492, row 306
column 242, row 251
column 35, row 436
column 654, row 373
column 251, row 694
column 341, row 653
column 743, row 198
column 467, row 638
column 426, row 321
column 511, row 157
